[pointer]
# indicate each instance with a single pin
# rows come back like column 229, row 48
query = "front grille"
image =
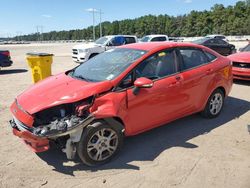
column 241, row 65
column 75, row 51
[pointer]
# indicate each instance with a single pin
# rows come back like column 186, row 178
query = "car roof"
column 156, row 35
column 110, row 36
column 148, row 46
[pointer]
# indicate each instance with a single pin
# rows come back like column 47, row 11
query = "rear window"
column 158, row 39
column 129, row 40
column 192, row 58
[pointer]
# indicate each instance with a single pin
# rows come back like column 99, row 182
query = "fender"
column 110, row 105
column 223, row 80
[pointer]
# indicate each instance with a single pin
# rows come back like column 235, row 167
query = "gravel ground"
column 190, row 152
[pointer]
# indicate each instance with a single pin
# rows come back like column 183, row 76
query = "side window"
column 220, row 41
column 192, row 58
column 210, row 57
column 158, row 65
column 118, row 41
column 129, row 40
column 210, row 42
column 158, row 39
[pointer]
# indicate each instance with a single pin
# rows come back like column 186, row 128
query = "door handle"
column 178, row 78
column 177, row 82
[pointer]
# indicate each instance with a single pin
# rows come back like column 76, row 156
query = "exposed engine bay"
column 61, row 119
column 60, row 124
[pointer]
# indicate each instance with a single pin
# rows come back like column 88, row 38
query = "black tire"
column 90, row 137
column 209, row 111
column 92, row 55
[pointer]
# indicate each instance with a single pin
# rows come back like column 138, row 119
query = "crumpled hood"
column 59, row 89
column 86, row 46
column 243, row 57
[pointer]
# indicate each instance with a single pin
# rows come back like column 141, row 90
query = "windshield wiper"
column 82, row 78
column 85, row 79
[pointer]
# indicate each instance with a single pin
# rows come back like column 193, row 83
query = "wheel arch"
column 207, row 97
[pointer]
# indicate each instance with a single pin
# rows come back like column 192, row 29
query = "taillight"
column 7, row 53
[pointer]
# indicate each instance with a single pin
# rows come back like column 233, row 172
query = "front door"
column 155, row 106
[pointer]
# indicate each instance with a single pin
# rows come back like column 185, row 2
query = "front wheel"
column 99, row 143
column 214, row 104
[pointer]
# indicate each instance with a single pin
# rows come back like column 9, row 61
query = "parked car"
column 154, row 38
column 241, row 64
column 121, row 92
column 5, row 60
column 218, row 45
column 246, row 48
column 217, row 36
column 83, row 52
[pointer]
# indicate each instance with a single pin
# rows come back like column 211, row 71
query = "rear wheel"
column 99, row 143
column 214, row 104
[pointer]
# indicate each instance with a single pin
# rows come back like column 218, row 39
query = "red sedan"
column 121, row 92
column 241, row 64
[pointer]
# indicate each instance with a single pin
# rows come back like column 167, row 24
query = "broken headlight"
column 61, row 118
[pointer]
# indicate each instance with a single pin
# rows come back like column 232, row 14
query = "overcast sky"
column 22, row 16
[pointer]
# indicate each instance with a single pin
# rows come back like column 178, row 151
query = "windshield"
column 101, row 40
column 108, row 65
column 145, row 39
column 201, row 41
column 246, row 49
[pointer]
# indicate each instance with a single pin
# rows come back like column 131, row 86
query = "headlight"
column 83, row 50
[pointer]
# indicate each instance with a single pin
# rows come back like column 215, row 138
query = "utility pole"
column 42, row 32
column 100, row 25
column 37, row 30
column 93, row 11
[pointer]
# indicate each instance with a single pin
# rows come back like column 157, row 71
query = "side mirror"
column 110, row 43
column 142, row 83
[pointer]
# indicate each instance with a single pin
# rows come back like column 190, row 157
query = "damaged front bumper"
column 38, row 139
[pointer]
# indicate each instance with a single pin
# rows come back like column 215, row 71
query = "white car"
column 83, row 52
column 154, row 38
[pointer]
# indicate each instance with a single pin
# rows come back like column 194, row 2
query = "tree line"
column 230, row 20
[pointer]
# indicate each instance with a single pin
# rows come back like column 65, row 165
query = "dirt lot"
column 191, row 152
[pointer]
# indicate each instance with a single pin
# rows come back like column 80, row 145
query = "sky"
column 19, row 17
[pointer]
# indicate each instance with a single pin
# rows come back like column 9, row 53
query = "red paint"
column 241, row 73
column 36, row 144
column 20, row 114
column 59, row 89
column 168, row 99
column 143, row 82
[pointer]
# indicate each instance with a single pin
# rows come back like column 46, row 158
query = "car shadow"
column 12, row 71
column 147, row 146
column 242, row 82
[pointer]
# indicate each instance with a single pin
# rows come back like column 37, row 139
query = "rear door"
column 225, row 48
column 130, row 40
column 197, row 73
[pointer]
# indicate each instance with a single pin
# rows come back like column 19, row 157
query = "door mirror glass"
column 143, row 83
column 109, row 43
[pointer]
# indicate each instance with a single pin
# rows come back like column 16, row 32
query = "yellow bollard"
column 40, row 64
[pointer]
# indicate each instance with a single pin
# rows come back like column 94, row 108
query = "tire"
column 95, row 147
column 92, row 55
column 214, row 104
